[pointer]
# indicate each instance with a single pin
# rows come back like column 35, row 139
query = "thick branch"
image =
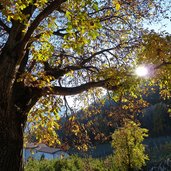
column 57, row 33
column 55, row 5
column 57, row 73
column 162, row 64
column 67, row 91
column 24, row 62
column 97, row 53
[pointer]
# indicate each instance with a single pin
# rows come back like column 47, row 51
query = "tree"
column 129, row 151
column 50, row 49
column 155, row 53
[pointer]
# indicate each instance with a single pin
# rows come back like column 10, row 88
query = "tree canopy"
column 67, row 47
column 129, row 150
column 51, row 49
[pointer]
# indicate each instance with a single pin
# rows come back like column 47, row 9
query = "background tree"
column 53, row 48
column 157, row 120
column 129, row 151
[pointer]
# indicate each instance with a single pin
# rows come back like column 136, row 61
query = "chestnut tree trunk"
column 11, row 141
column 11, row 122
column 14, row 97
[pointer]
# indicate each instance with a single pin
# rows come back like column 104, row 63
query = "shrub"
column 32, row 165
column 73, row 163
column 70, row 164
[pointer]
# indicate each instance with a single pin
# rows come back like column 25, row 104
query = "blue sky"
column 164, row 25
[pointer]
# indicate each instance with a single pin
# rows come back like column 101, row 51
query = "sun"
column 141, row 71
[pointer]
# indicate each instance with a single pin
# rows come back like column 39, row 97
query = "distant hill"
column 100, row 120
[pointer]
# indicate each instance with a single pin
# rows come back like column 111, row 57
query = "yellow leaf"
column 9, row 18
column 117, row 6
column 72, row 118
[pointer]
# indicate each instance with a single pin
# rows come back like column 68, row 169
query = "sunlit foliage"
column 127, row 143
column 68, row 47
column 156, row 53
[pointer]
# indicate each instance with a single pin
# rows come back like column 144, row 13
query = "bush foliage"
column 72, row 163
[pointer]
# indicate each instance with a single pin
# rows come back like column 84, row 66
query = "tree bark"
column 11, row 119
column 11, row 141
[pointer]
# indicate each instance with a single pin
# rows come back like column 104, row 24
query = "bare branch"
column 162, row 64
column 57, row 72
column 97, row 53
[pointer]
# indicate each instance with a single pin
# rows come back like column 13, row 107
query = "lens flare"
column 141, row 71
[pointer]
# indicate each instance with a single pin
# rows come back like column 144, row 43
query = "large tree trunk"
column 11, row 120
column 14, row 106
column 11, row 141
